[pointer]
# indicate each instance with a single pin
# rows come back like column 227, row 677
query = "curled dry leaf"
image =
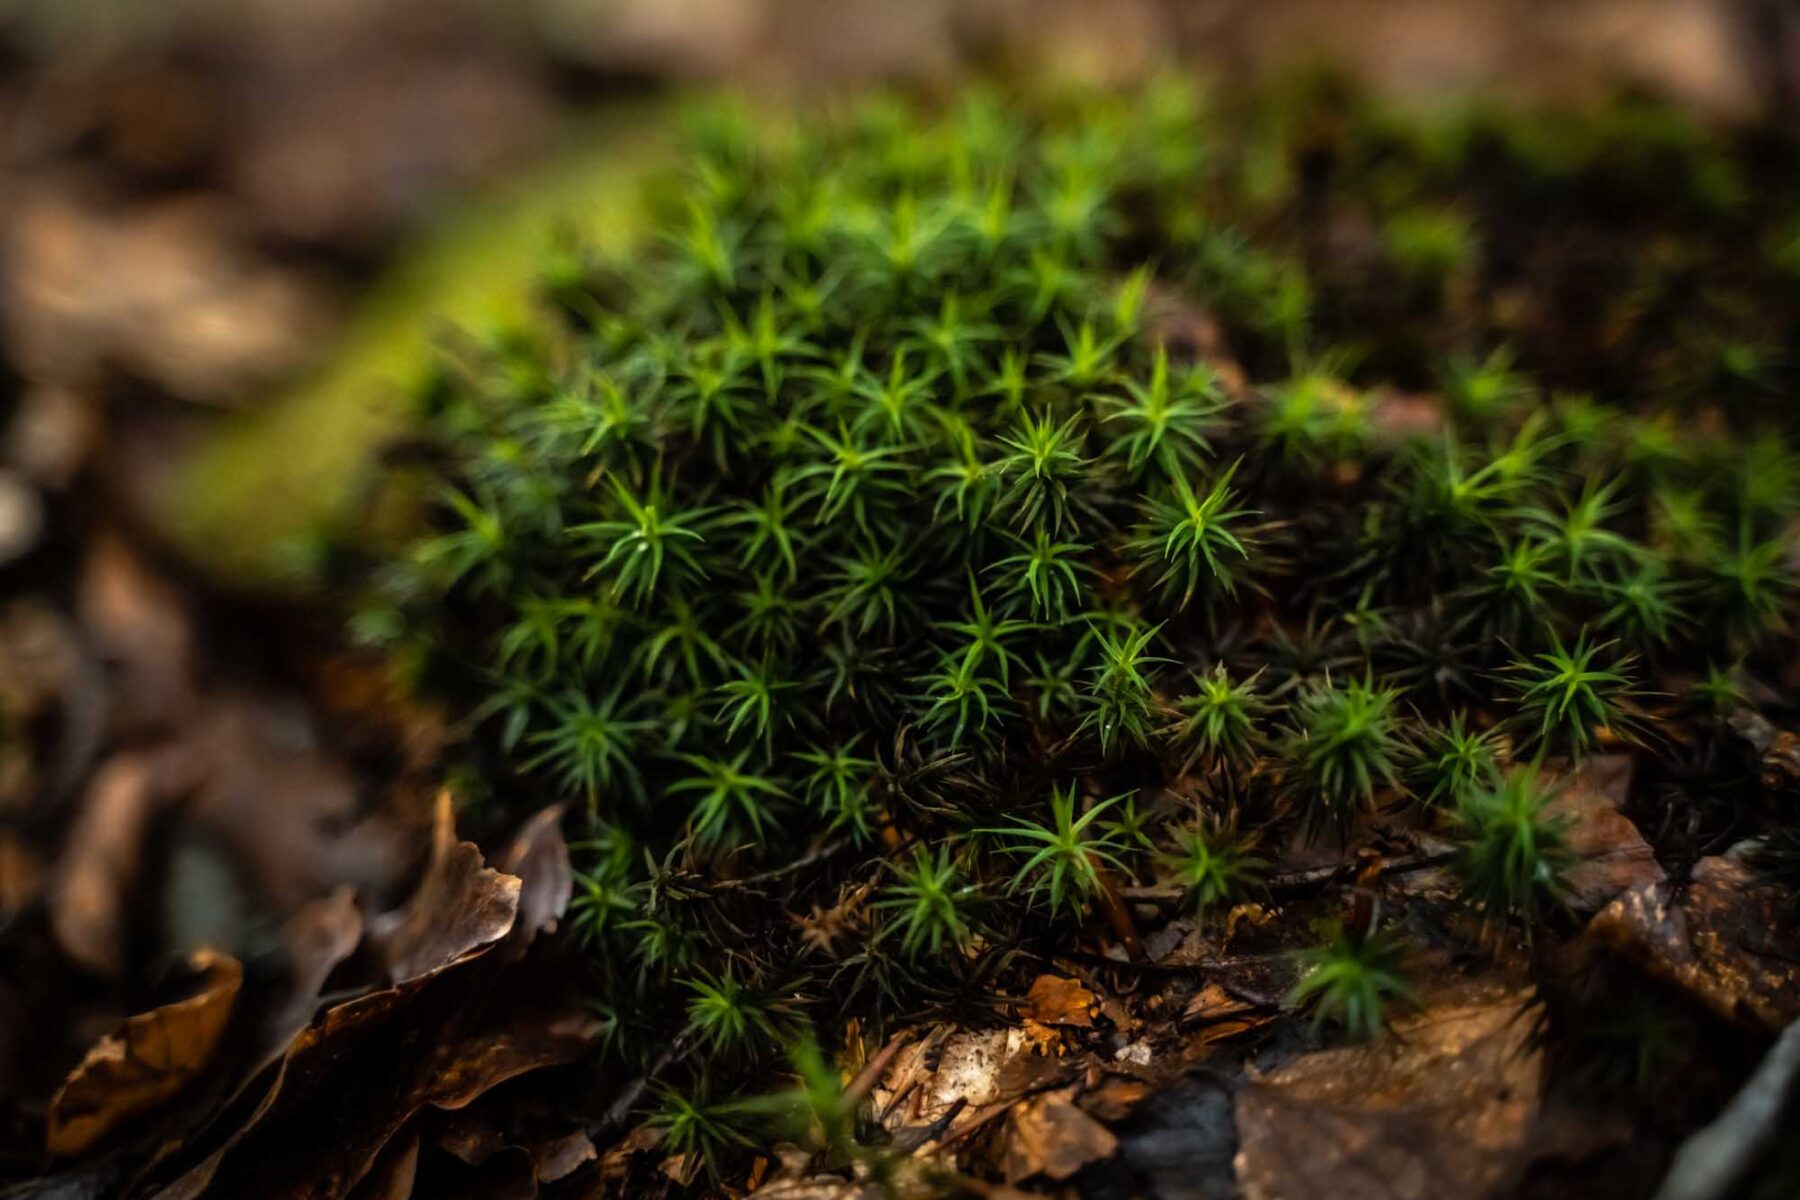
column 1049, row 1136
column 147, row 1062
column 1721, row 939
column 1442, row 1107
column 1058, row 1000
column 1777, row 750
column 91, row 884
column 1612, row 856
column 539, row 856
column 562, row 1157
column 322, row 934
column 461, row 905
column 457, row 1022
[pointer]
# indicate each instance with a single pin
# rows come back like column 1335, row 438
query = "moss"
column 892, row 521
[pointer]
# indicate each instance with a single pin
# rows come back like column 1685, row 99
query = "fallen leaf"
column 1213, row 1003
column 1116, row 1098
column 1050, row 1136
column 539, row 856
column 1721, row 939
column 461, row 905
column 147, row 1062
column 288, row 810
column 562, row 1157
column 530, row 1040
column 441, row 1036
column 140, row 626
column 1056, row 1000
column 1442, row 1107
column 1612, row 856
column 318, row 937
column 92, row 884
column 1043, row 1039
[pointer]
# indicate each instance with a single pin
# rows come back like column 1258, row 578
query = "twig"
column 1711, row 1163
column 872, row 1071
column 1294, row 882
column 799, row 864
column 620, row 1109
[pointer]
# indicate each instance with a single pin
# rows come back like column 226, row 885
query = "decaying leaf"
column 539, row 856
column 460, row 906
column 1058, row 1000
column 149, row 1061
column 562, row 1157
column 322, row 934
column 139, row 624
column 1442, row 1107
column 1214, row 1003
column 285, row 807
column 1721, row 939
column 1050, row 1136
column 1611, row 854
column 439, row 1037
column 88, row 894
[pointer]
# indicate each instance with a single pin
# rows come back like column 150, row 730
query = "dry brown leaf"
column 539, row 856
column 1042, row 1038
column 461, row 905
column 288, row 810
column 526, row 1043
column 1057, row 1000
column 317, row 938
column 1611, row 854
column 1213, row 1003
column 562, row 1157
column 1721, row 939
column 1440, row 1108
column 140, row 626
column 92, row 884
column 149, row 1061
column 1116, row 1098
column 358, row 1076
column 1049, row 1136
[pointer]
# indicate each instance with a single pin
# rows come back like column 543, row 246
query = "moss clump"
column 886, row 534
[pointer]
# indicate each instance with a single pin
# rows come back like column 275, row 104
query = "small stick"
column 621, row 1108
column 1711, row 1162
column 1292, row 882
column 872, row 1071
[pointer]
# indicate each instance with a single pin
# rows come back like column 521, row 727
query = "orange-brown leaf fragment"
column 1056, row 1000
column 1611, row 855
column 147, row 1062
column 1442, row 1107
column 461, row 905
column 1721, row 939
column 1049, row 1136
